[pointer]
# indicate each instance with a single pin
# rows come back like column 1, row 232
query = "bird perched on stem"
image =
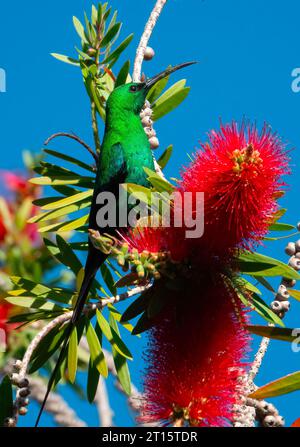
column 125, row 152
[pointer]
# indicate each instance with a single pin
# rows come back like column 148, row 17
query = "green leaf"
column 249, row 286
column 76, row 179
column 276, row 333
column 23, row 213
column 97, row 355
column 264, row 283
column 108, row 279
column 73, row 355
column 143, row 324
column 295, row 294
column 171, row 99
column 114, row 56
column 137, row 306
column 70, row 259
column 123, row 73
column 6, row 400
column 258, row 304
column 165, row 157
column 117, row 316
column 80, row 29
column 281, row 227
column 66, row 59
column 161, row 185
column 62, row 227
column 157, row 89
column 278, row 387
column 92, row 382
column 47, row 347
column 260, row 265
column 30, row 286
column 113, row 336
column 69, row 159
column 120, row 362
column 60, row 212
column 111, row 33
column 33, row 303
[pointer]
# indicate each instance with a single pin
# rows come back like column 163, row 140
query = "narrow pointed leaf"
column 276, row 333
column 120, row 362
column 69, row 159
column 97, row 355
column 284, row 385
column 165, row 157
column 73, row 355
column 113, row 336
column 6, row 400
column 66, row 59
column 92, row 382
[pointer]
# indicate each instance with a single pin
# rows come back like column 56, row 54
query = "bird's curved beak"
column 152, row 81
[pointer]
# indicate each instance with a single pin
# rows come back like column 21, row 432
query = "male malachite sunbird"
column 125, row 152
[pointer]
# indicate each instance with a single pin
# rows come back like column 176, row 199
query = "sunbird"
column 125, row 152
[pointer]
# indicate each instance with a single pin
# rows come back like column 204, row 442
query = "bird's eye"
column 133, row 88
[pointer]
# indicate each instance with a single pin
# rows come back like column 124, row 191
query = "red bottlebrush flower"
column 195, row 361
column 4, row 314
column 15, row 183
column 158, row 239
column 239, row 170
column 2, row 231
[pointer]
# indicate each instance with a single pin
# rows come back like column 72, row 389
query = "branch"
column 55, row 405
column 137, row 69
column 95, row 129
column 102, row 401
column 245, row 414
column 20, row 380
column 73, row 137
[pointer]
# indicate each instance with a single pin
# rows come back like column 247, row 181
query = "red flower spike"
column 239, row 170
column 4, row 314
column 2, row 231
column 195, row 361
column 158, row 239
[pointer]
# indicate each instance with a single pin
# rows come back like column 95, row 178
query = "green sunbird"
column 125, row 152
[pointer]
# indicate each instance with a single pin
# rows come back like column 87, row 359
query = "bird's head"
column 132, row 96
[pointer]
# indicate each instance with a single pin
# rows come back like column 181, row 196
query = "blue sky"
column 246, row 51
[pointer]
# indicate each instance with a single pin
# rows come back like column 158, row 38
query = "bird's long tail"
column 94, row 260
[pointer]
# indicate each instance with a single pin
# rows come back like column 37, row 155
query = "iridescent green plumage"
column 125, row 152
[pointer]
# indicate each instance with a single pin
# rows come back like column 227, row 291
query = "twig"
column 115, row 299
column 61, row 319
column 102, row 401
column 135, row 399
column 55, row 405
column 73, row 137
column 245, row 414
column 95, row 128
column 137, row 69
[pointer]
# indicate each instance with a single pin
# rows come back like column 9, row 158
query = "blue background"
column 246, row 50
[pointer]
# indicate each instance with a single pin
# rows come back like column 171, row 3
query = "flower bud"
column 149, row 54
column 146, row 121
column 269, row 421
column 9, row 422
column 91, row 52
column 23, row 411
column 154, row 144
column 18, row 364
column 24, row 392
column 290, row 249
column 294, row 263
